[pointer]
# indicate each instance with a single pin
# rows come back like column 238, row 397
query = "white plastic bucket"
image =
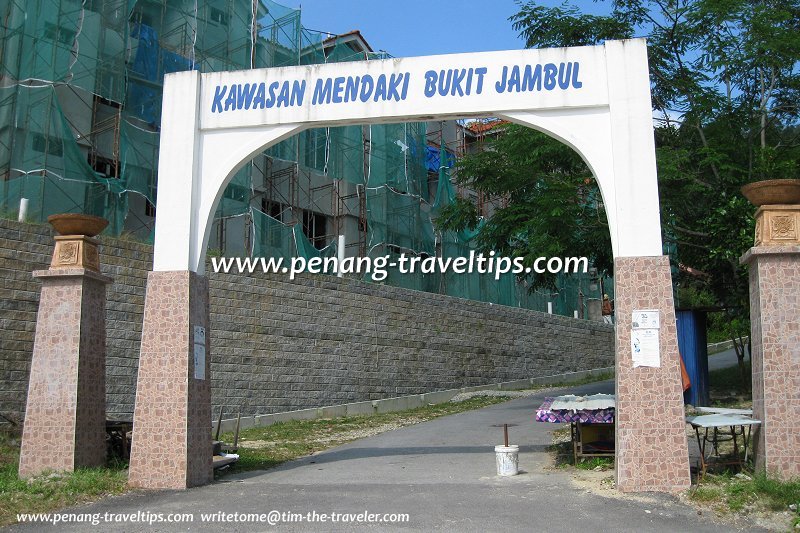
column 507, row 460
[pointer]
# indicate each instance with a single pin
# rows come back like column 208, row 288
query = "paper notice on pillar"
column 646, row 319
column 644, row 348
column 199, row 361
column 200, row 335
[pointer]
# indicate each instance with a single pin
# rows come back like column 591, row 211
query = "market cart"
column 591, row 420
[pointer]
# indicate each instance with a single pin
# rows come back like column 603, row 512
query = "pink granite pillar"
column 775, row 338
column 172, row 418
column 65, row 415
column 651, row 448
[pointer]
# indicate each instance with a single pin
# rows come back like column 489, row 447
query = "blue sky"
column 407, row 28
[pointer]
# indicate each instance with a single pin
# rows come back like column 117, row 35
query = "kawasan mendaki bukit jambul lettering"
column 343, row 89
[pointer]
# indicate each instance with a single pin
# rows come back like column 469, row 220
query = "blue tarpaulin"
column 150, row 64
column 694, row 351
column 432, row 159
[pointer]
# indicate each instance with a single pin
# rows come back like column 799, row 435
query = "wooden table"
column 592, row 440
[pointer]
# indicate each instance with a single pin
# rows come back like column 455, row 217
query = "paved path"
column 441, row 473
column 723, row 360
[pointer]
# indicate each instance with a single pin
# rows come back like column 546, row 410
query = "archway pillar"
column 171, row 446
column 651, row 447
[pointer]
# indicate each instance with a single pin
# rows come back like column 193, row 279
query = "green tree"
column 725, row 86
column 553, row 205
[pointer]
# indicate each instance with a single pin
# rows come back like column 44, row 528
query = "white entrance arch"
column 594, row 99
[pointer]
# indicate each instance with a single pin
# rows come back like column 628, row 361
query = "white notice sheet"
column 646, row 319
column 644, row 348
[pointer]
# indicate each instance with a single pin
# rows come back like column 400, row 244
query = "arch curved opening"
column 225, row 152
column 589, row 135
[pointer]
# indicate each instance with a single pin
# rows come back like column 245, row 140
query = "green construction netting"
column 235, row 199
column 62, row 41
column 80, row 109
column 271, row 238
column 105, row 61
column 345, row 148
column 397, row 158
column 139, row 159
column 41, row 161
column 304, row 248
column 418, row 280
column 400, row 220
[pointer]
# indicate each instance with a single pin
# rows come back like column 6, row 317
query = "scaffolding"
column 80, row 97
column 80, row 107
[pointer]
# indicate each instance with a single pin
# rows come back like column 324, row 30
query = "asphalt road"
column 440, row 473
column 723, row 360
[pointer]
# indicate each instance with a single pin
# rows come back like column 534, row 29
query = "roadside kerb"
column 403, row 403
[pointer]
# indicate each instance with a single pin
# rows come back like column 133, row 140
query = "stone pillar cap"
column 72, row 273
column 755, row 251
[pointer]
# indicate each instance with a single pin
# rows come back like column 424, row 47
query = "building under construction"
column 80, row 105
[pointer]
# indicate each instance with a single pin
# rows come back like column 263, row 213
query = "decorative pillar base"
column 75, row 251
column 172, row 418
column 65, row 416
column 777, row 225
column 651, row 448
column 775, row 356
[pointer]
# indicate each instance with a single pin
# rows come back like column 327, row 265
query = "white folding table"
column 715, row 422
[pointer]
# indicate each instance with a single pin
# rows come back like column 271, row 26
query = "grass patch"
column 49, row 492
column 706, row 494
column 744, row 494
column 265, row 447
column 595, row 463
